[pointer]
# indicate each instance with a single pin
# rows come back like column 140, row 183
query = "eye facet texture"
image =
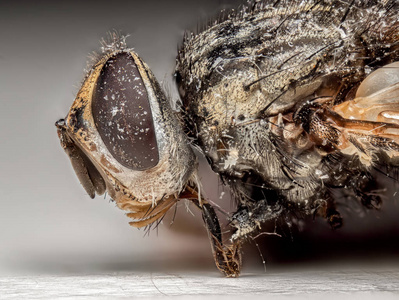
column 122, row 114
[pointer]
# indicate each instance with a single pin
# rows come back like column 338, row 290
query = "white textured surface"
column 354, row 283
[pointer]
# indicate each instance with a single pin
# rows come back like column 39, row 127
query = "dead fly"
column 288, row 100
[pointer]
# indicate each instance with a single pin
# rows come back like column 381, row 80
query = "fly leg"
column 248, row 219
column 227, row 258
column 364, row 188
column 326, row 208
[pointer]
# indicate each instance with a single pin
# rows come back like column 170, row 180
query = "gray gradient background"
column 47, row 222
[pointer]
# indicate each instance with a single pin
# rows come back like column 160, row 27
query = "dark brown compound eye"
column 122, row 113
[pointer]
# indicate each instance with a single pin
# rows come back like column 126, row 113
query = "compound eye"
column 122, row 113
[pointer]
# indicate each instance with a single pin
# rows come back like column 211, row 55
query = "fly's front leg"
column 227, row 258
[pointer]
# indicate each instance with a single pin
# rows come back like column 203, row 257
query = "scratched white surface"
column 366, row 282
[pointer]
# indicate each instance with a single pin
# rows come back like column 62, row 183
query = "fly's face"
column 123, row 138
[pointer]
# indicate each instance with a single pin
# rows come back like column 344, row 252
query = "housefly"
column 287, row 100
